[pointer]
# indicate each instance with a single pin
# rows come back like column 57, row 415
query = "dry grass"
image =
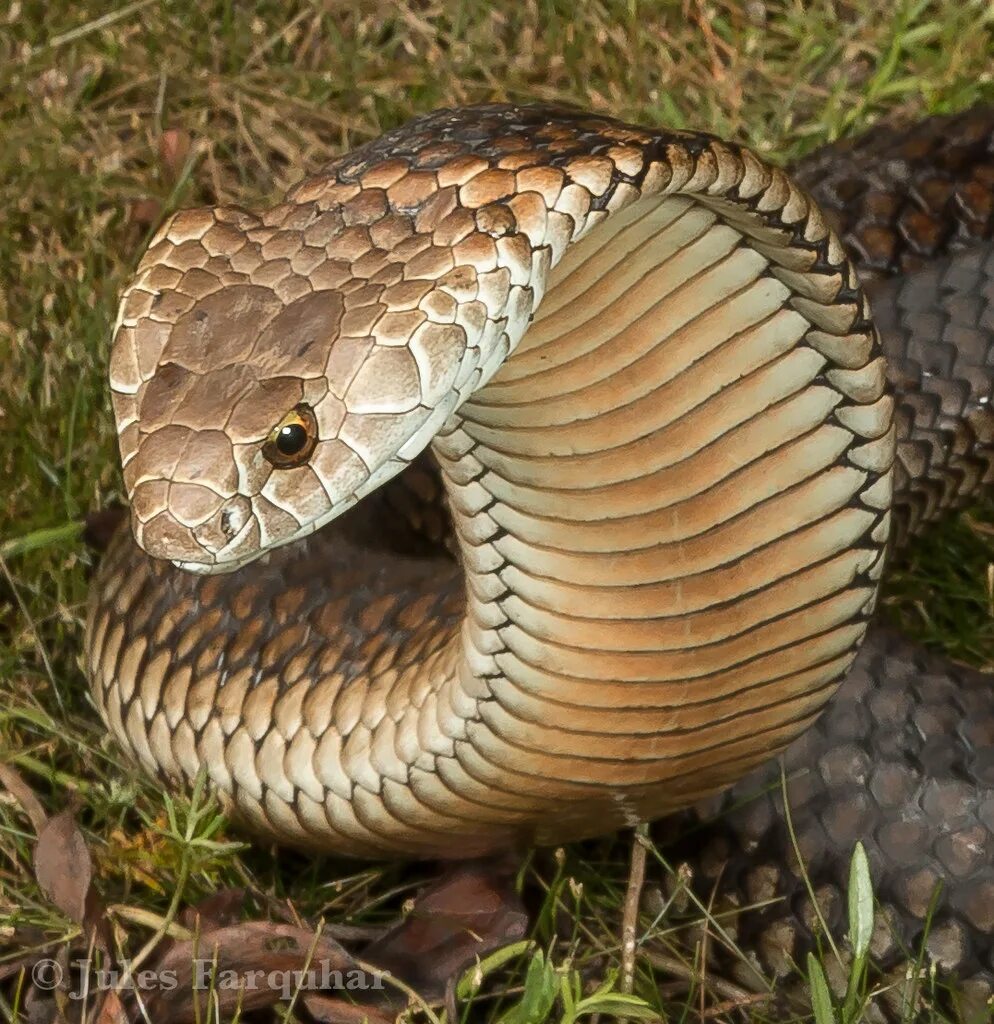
column 112, row 116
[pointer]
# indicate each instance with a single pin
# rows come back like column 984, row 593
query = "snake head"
column 265, row 376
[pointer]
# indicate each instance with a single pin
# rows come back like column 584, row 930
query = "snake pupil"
column 291, row 439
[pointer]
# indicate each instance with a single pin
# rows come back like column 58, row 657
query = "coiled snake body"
column 646, row 369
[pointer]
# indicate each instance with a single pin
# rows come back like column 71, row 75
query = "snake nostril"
column 232, row 518
column 225, row 525
column 228, row 527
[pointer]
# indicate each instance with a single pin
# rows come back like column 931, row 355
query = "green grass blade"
column 821, row 999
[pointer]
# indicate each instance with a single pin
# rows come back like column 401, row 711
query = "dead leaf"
column 22, row 963
column 100, row 527
column 219, row 910
column 468, row 914
column 145, row 212
column 64, row 870
column 112, row 1010
column 327, row 1010
column 41, row 1006
column 251, row 965
column 174, row 148
column 14, row 783
column 63, row 865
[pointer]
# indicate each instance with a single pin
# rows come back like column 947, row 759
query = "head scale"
column 264, row 379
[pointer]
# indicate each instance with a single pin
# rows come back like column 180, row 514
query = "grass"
column 111, row 116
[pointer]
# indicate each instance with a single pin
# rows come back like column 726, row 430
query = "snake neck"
column 670, row 549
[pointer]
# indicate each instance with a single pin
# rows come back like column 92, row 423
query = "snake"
column 524, row 475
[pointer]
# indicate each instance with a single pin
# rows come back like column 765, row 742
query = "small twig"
column 98, row 23
column 165, row 923
column 633, row 900
column 13, row 782
column 414, row 997
column 303, row 973
column 720, row 1009
column 802, row 867
column 726, row 989
column 706, row 938
column 149, row 919
column 714, row 922
column 267, row 44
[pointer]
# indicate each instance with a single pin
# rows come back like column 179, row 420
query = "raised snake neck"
column 670, row 495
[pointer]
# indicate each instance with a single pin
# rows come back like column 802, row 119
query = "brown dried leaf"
column 174, row 148
column 63, row 865
column 328, row 1010
column 112, row 1010
column 216, row 911
column 145, row 212
column 14, row 783
column 469, row 913
column 229, row 954
column 11, row 967
column 41, row 1006
column 219, row 910
column 100, row 527
column 64, row 869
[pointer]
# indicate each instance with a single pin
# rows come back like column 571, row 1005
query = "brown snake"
column 647, row 371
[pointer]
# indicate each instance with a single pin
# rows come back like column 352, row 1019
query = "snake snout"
column 225, row 525
column 186, row 521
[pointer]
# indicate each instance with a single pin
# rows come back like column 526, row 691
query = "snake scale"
column 667, row 453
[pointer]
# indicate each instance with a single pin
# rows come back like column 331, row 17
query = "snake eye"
column 292, row 440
